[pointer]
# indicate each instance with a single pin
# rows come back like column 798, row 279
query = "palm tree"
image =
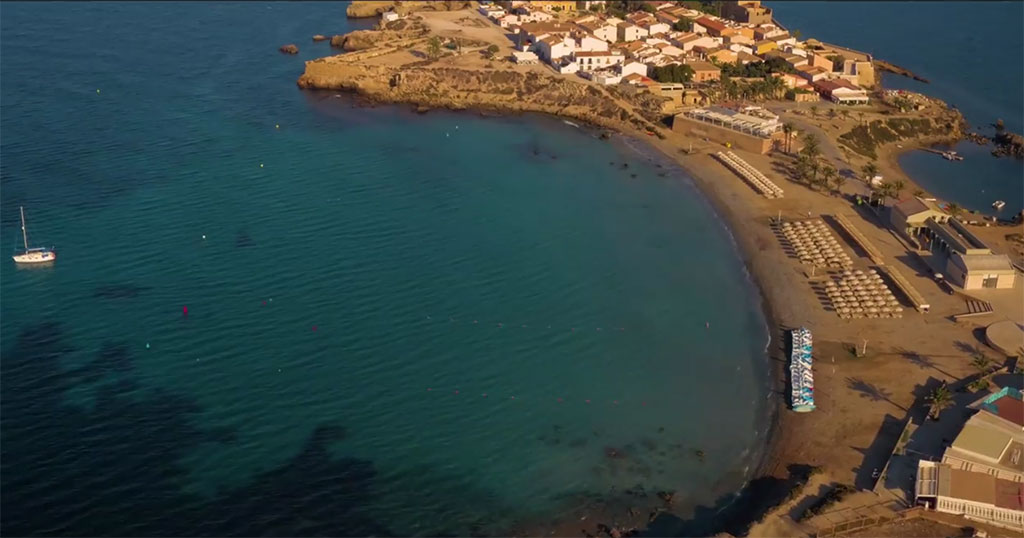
column 832, row 114
column 918, row 192
column 828, row 173
column 812, row 148
column 954, row 209
column 940, row 398
column 898, row 186
column 845, row 113
column 840, row 180
column 787, row 129
column 814, row 110
column 870, row 170
column 981, row 363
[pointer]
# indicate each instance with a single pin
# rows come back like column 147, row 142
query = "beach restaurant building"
column 981, row 475
column 749, row 128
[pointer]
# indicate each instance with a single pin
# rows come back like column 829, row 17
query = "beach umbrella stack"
column 859, row 294
column 814, row 244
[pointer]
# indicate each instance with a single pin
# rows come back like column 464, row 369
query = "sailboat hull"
column 47, row 256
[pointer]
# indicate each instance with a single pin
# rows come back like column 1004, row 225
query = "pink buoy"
column 588, row 401
column 314, row 328
column 184, row 310
column 456, row 392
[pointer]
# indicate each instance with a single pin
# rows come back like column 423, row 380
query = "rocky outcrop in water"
column 289, row 49
column 1009, row 145
column 319, row 37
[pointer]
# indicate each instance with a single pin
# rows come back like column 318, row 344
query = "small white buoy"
column 261, row 165
column 147, row 345
column 277, row 126
column 97, row 90
column 204, row 236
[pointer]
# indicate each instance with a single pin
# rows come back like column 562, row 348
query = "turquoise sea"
column 971, row 53
column 396, row 323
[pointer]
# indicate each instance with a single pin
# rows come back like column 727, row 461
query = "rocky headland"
column 372, row 8
column 392, row 66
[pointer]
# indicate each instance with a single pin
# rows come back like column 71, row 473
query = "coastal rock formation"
column 358, row 40
column 319, row 37
column 1008, row 144
column 440, row 86
column 367, row 8
column 289, row 49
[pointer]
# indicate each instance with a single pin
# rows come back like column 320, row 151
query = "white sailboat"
column 33, row 255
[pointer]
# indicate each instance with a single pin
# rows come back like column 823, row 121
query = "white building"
column 605, row 77
column 590, row 43
column 600, row 30
column 656, row 28
column 567, row 66
column 977, row 496
column 631, row 68
column 554, row 47
column 389, row 16
column 525, row 58
column 592, row 61
column 630, row 32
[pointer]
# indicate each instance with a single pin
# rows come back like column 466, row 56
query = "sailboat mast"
column 24, row 234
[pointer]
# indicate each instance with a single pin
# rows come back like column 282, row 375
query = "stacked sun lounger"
column 813, row 243
column 752, row 175
column 858, row 294
column 801, row 376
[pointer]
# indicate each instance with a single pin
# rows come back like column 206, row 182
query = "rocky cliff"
column 373, row 8
column 438, row 86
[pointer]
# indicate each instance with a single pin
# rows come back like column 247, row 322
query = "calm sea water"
column 396, row 323
column 971, row 53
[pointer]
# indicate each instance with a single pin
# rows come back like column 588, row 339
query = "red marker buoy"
column 314, row 328
column 184, row 310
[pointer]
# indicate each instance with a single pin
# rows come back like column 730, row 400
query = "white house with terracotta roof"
column 841, row 91
column 630, row 32
column 553, row 47
column 590, row 43
column 592, row 61
column 601, row 30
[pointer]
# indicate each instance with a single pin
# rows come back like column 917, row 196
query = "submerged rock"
column 289, row 49
column 319, row 37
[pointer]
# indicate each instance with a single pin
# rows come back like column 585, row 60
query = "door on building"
column 990, row 281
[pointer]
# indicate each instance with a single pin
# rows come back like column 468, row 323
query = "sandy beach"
column 861, row 401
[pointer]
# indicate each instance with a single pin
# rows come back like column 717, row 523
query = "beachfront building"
column 842, row 92
column 981, row 475
column 980, row 271
column 747, row 12
column 976, row 496
column 910, row 216
column 749, row 128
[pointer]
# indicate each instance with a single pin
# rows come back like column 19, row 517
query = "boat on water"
column 33, row 255
column 801, row 374
column 998, row 204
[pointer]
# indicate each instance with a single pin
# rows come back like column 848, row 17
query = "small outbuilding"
column 979, row 271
